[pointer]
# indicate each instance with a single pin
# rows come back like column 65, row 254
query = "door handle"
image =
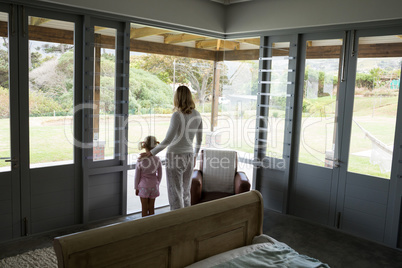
column 14, row 162
column 337, row 162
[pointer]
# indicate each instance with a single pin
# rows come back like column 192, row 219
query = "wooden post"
column 215, row 96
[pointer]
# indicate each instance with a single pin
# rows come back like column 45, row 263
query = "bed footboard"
column 173, row 239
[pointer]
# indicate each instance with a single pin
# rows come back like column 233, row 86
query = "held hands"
column 146, row 154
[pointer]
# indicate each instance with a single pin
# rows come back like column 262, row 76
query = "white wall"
column 267, row 15
column 198, row 14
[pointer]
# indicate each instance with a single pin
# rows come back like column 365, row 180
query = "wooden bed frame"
column 172, row 239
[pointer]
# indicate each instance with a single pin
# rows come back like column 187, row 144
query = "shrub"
column 4, row 103
column 40, row 105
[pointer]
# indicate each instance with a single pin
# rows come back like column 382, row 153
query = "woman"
column 185, row 124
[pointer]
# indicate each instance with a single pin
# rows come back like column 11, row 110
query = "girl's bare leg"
column 151, row 206
column 145, row 204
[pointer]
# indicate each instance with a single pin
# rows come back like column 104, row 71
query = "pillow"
column 263, row 238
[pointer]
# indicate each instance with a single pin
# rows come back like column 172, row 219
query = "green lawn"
column 50, row 137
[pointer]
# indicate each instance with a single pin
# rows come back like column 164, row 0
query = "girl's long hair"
column 183, row 100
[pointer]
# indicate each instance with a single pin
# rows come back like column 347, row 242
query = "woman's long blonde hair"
column 183, row 100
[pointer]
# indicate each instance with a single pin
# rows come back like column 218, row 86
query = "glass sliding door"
column 5, row 130
column 321, row 86
column 8, row 167
column 47, row 76
column 347, row 124
column 368, row 171
column 37, row 180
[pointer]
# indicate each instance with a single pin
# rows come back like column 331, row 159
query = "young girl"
column 148, row 175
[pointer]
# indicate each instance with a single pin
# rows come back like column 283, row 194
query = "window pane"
column 104, row 93
column 375, row 105
column 161, row 60
column 278, row 71
column 320, row 93
column 4, row 100
column 51, row 91
column 237, row 103
column 237, row 106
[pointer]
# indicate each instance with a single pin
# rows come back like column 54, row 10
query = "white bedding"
column 264, row 252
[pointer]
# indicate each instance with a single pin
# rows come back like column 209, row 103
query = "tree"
column 181, row 70
column 376, row 74
column 4, row 68
column 4, row 103
column 57, row 48
column 148, row 92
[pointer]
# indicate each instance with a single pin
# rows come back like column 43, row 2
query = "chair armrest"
column 242, row 184
column 196, row 186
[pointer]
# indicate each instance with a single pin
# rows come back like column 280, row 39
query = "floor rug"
column 43, row 258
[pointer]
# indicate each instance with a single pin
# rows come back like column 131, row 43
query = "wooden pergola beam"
column 249, row 54
column 326, row 52
column 171, row 50
column 218, row 43
column 253, row 41
column 45, row 34
column 3, row 29
column 99, row 28
column 180, row 38
column 380, row 50
column 146, row 31
column 36, row 21
column 206, row 44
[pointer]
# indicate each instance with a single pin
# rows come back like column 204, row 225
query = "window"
column 51, row 92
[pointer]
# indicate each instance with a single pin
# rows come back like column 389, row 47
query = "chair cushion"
column 218, row 171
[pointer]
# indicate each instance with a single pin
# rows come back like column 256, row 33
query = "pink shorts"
column 145, row 192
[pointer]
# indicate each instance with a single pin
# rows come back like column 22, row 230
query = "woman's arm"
column 198, row 138
column 171, row 133
column 159, row 171
column 137, row 176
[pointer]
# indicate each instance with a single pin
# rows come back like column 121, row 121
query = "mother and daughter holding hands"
column 185, row 125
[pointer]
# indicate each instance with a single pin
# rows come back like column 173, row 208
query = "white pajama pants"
column 179, row 168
